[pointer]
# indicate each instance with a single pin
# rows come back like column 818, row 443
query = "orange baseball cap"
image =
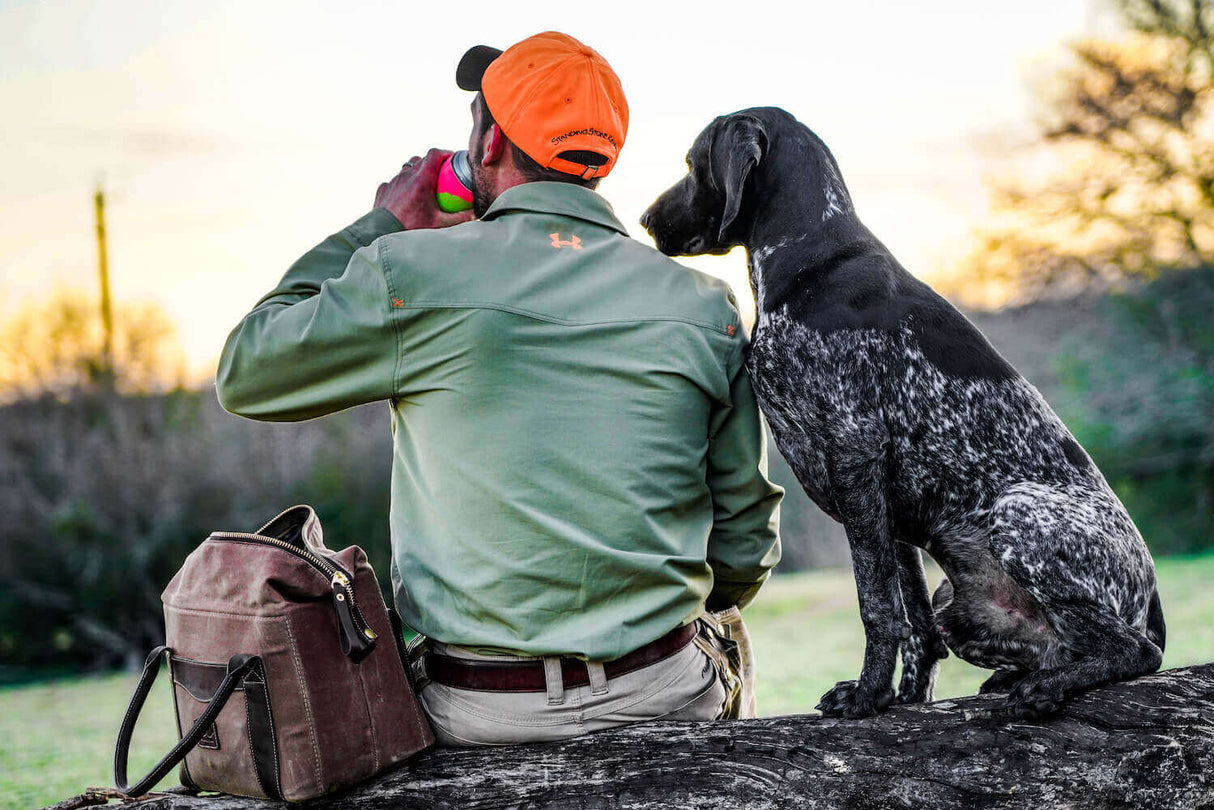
column 552, row 95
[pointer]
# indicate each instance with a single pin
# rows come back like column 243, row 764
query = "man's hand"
column 410, row 196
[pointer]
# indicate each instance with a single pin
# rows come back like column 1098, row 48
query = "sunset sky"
column 232, row 136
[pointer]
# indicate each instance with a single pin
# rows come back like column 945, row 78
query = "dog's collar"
column 556, row 198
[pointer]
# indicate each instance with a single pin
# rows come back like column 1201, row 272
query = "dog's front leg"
column 858, row 483
column 923, row 651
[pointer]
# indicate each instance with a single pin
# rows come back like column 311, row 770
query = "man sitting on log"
column 578, row 466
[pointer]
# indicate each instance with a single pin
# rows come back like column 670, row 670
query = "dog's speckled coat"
column 901, row 421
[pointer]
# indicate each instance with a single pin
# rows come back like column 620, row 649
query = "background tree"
column 55, row 346
column 1121, row 181
column 1116, row 196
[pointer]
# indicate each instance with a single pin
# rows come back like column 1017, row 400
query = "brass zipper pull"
column 356, row 637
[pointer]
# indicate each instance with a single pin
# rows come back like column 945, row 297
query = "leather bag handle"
column 238, row 667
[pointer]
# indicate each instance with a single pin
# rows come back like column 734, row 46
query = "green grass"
column 57, row 738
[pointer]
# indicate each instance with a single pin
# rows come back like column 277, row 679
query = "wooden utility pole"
column 107, row 312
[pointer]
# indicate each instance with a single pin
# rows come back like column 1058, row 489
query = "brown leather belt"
column 528, row 676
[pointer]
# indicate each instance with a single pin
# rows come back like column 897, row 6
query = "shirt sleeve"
column 322, row 340
column 744, row 544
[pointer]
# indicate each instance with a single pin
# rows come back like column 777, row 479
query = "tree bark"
column 1148, row 743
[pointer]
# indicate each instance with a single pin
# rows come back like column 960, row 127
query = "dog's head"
column 698, row 214
column 737, row 162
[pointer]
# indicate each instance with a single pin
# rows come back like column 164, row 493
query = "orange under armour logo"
column 398, row 302
column 558, row 243
column 729, row 330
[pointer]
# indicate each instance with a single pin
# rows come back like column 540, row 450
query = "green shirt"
column 578, row 457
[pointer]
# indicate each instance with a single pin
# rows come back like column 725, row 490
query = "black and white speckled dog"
column 901, row 421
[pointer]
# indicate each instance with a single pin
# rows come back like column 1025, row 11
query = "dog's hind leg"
column 1077, row 552
column 857, row 478
column 1002, row 681
column 922, row 652
column 1107, row 649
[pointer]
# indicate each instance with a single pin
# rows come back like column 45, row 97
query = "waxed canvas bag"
column 288, row 670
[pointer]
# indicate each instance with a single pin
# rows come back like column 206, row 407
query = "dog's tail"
column 1157, row 631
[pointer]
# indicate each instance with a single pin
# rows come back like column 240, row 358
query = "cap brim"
column 472, row 66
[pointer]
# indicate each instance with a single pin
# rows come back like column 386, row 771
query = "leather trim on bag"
column 210, row 740
column 184, row 770
column 199, row 678
column 263, row 743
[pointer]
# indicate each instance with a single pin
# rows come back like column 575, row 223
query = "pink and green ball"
column 452, row 195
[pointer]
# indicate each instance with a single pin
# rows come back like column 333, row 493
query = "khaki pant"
column 706, row 680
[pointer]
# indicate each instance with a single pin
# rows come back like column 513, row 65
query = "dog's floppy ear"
column 744, row 139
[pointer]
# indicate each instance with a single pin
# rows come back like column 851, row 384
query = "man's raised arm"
column 323, row 339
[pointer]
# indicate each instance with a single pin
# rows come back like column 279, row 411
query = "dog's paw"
column 849, row 699
column 1035, row 695
column 913, row 695
column 1001, row 681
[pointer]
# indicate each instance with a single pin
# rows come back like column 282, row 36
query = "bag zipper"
column 356, row 636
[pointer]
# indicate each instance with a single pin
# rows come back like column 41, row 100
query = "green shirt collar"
column 556, row 198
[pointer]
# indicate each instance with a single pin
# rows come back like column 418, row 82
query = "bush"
column 1138, row 392
column 103, row 496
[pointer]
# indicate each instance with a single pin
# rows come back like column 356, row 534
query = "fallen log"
column 1144, row 744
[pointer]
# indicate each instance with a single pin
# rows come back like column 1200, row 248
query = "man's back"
column 576, row 447
column 550, row 492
